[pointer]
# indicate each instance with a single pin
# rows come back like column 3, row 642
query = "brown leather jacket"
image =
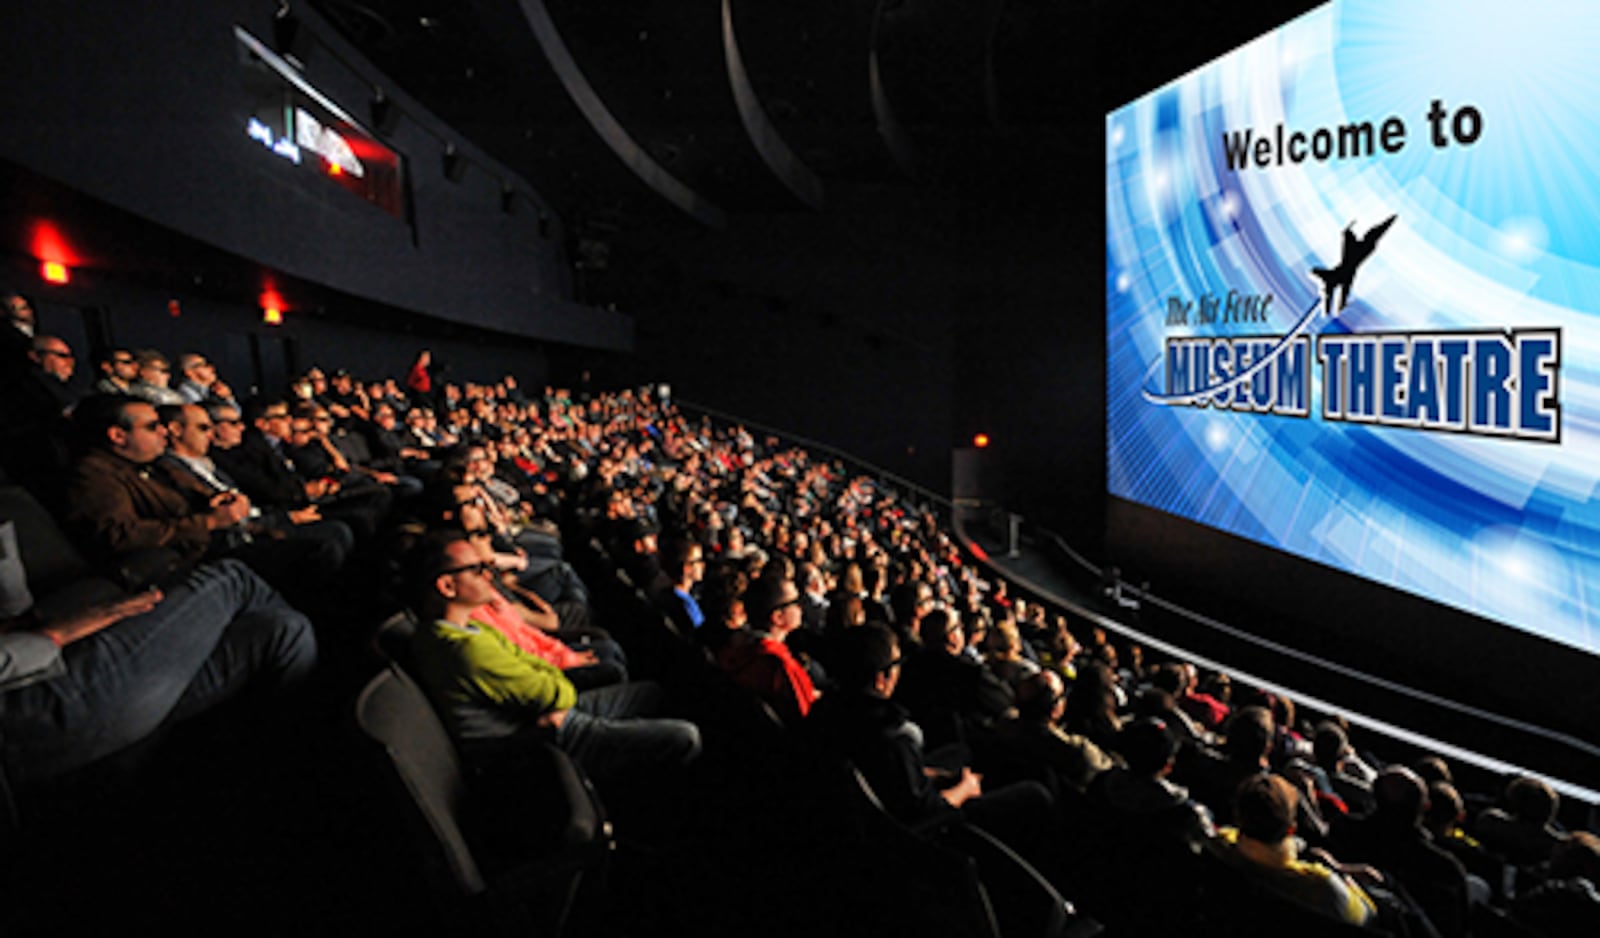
column 115, row 506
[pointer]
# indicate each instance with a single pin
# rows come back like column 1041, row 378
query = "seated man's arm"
column 29, row 656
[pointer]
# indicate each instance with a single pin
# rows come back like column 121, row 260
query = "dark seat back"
column 527, row 878
column 393, row 712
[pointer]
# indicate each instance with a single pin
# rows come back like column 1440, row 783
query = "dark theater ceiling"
column 624, row 111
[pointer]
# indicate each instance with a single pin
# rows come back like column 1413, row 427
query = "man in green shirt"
column 490, row 692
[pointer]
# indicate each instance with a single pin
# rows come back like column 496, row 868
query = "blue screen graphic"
column 1353, row 301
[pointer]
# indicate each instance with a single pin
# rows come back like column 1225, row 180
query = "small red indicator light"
column 272, row 316
column 55, row 272
column 981, row 441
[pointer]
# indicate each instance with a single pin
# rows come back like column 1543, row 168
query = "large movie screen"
column 1353, row 301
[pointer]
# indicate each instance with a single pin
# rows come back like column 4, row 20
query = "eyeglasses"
column 203, row 427
column 787, row 603
column 324, row 419
column 276, row 415
column 56, row 352
column 482, row 568
column 893, row 664
column 151, row 426
column 234, row 421
column 124, row 361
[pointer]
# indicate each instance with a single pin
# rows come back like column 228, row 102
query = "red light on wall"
column 174, row 309
column 334, row 169
column 981, row 441
column 55, row 272
column 272, row 316
column 50, row 246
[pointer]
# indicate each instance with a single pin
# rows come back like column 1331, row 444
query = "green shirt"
column 484, row 686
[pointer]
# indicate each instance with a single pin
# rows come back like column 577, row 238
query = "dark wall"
column 146, row 109
column 839, row 326
column 895, row 324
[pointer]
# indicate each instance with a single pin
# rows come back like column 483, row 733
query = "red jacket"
column 766, row 667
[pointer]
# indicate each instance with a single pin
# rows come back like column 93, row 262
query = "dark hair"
column 257, row 406
column 861, row 654
column 98, row 413
column 933, row 628
column 1168, row 677
column 1399, row 796
column 1263, row 807
column 172, row 413
column 1036, row 697
column 763, row 598
column 1328, row 744
column 1147, row 745
column 1249, row 735
column 675, row 557
column 1433, row 769
column 1577, row 854
column 1092, row 703
column 1444, row 806
column 422, row 565
column 1531, row 800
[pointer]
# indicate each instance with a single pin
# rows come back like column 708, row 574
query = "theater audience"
column 836, row 600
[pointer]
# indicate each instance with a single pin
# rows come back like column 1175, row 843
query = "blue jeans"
column 219, row 630
column 606, row 733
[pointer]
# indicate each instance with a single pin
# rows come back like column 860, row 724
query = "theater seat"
column 530, row 892
column 392, row 639
column 58, row 577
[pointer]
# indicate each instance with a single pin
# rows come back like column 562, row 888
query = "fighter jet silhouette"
column 1354, row 253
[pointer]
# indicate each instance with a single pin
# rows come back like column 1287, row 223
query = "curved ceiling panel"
column 599, row 116
column 774, row 150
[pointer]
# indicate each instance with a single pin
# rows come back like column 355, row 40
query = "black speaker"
column 455, row 165
column 971, row 474
column 385, row 115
